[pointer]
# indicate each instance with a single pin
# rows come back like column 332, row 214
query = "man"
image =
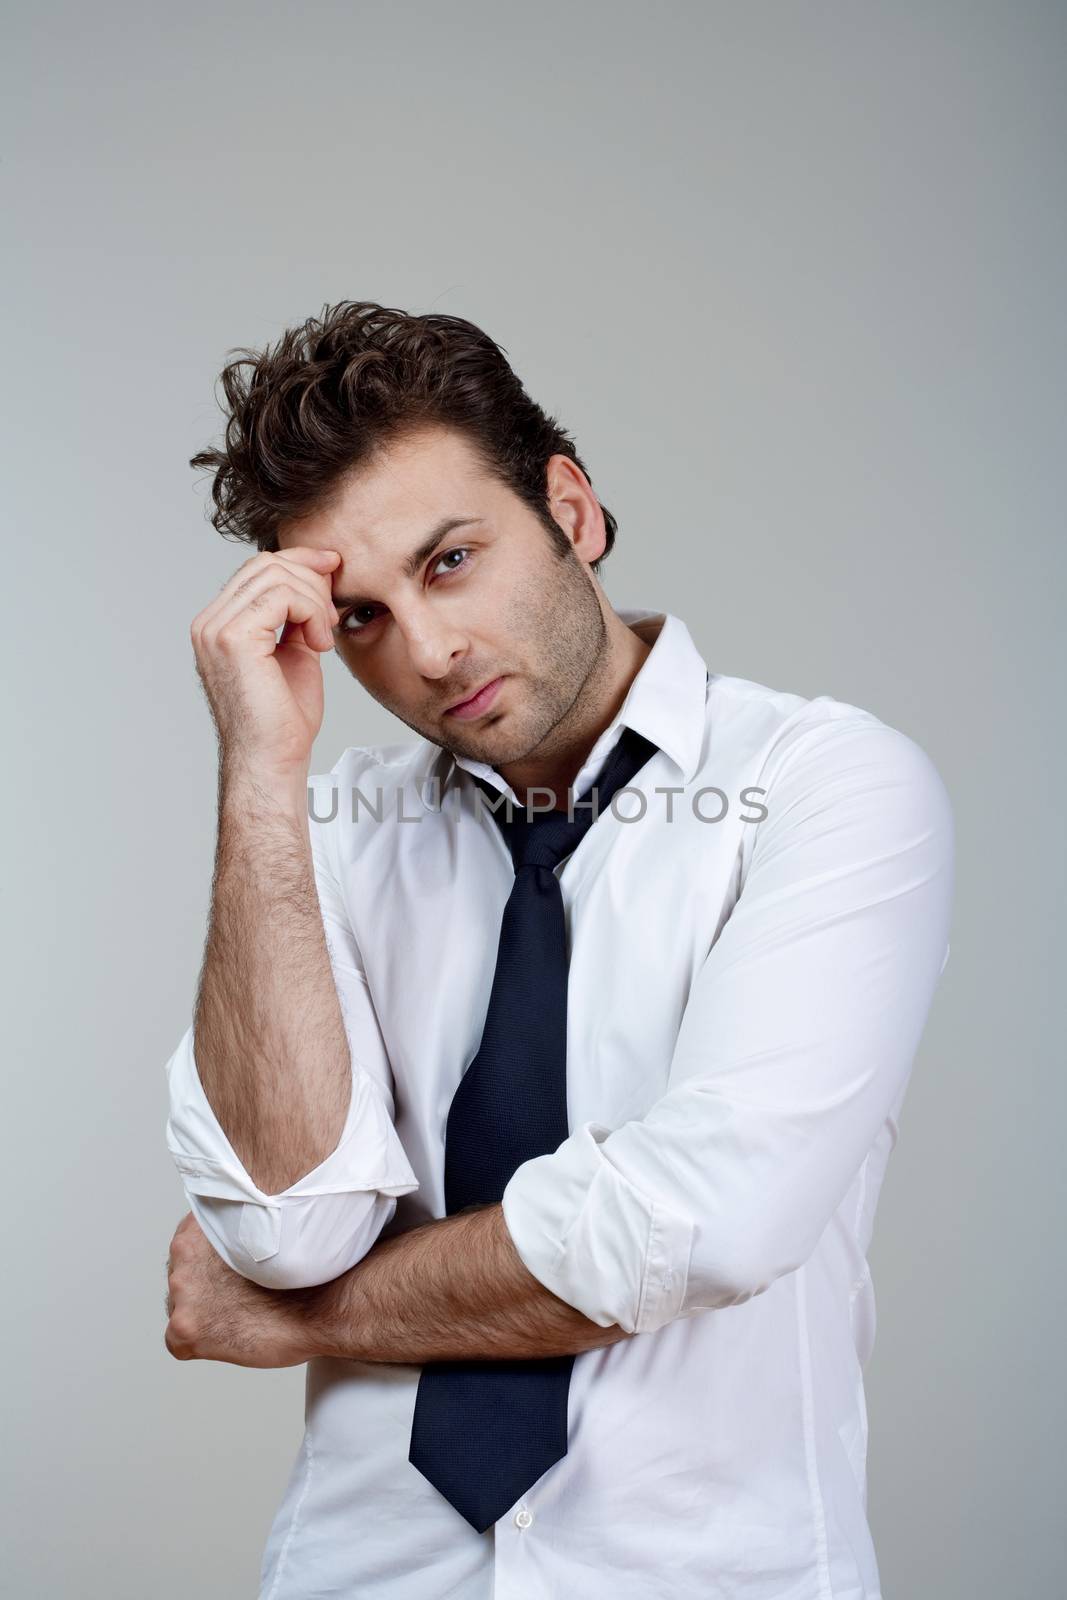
column 549, row 1139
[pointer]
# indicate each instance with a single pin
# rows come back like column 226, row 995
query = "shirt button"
column 523, row 1518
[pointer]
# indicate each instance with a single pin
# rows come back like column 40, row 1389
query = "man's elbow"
column 727, row 1273
column 288, row 1247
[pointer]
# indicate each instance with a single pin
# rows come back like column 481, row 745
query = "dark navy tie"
column 484, row 1431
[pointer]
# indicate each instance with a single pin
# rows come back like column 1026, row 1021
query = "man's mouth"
column 478, row 703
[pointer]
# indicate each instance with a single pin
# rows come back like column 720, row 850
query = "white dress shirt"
column 752, row 961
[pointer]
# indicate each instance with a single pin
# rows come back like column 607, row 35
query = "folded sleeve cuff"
column 368, row 1155
column 594, row 1239
column 318, row 1227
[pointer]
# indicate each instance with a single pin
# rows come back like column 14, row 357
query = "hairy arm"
column 454, row 1288
column 269, row 1038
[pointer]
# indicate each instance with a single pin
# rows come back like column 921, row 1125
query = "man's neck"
column 625, row 654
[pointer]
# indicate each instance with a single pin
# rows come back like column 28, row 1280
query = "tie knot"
column 543, row 838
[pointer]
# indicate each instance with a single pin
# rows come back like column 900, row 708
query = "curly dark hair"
column 330, row 393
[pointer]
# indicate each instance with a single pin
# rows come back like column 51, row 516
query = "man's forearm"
column 455, row 1288
column 268, row 1038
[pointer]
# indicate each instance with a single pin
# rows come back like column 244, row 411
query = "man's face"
column 490, row 599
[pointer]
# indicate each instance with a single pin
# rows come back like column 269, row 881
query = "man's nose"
column 434, row 644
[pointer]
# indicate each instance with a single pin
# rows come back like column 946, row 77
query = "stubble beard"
column 562, row 634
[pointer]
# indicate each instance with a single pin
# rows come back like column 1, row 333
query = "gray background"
column 793, row 275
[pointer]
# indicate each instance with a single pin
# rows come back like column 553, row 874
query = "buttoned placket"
column 513, row 1578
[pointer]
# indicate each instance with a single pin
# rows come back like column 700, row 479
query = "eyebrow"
column 414, row 561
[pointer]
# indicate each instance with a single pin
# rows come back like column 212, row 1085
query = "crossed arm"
column 451, row 1288
column 455, row 1287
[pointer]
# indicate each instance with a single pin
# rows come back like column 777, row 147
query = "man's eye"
column 460, row 550
column 352, row 622
column 344, row 626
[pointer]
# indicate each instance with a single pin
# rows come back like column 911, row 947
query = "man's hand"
column 216, row 1315
column 266, row 694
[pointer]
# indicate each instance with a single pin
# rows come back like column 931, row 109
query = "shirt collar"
column 666, row 702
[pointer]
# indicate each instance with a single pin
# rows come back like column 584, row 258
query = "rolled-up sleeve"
column 326, row 1222
column 796, row 1044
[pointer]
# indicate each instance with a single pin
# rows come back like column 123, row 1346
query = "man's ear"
column 575, row 507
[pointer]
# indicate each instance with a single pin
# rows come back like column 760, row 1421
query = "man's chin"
column 480, row 746
column 495, row 743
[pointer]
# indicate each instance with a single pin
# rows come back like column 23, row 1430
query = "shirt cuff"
column 318, row 1227
column 594, row 1239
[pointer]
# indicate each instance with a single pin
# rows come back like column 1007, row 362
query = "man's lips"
column 476, row 703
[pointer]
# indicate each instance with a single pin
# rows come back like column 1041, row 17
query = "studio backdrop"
column 792, row 276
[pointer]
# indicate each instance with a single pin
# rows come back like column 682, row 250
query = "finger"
column 250, row 602
column 320, row 581
column 179, row 1351
column 271, row 608
column 303, row 563
column 293, row 634
column 314, row 573
column 255, row 583
column 311, row 553
column 302, row 557
column 299, row 556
